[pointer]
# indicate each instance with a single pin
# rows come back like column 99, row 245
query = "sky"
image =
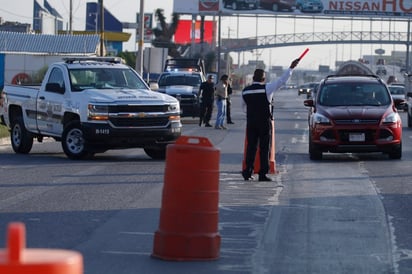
column 125, row 11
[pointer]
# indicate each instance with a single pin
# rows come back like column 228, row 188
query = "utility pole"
column 101, row 27
column 139, row 57
column 71, row 18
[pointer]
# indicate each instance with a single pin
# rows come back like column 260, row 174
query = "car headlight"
column 320, row 119
column 391, row 118
column 97, row 112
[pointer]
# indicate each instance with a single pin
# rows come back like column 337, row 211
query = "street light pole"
column 71, row 19
column 101, row 7
column 139, row 57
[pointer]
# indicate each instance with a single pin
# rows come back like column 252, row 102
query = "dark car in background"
column 308, row 89
column 184, row 86
column 278, row 5
column 354, row 114
column 397, row 91
column 240, row 4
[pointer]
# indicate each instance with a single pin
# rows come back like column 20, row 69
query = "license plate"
column 356, row 137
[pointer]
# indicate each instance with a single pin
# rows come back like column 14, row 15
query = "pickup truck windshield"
column 193, row 80
column 104, row 78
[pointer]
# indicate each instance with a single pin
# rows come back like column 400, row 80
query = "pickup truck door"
column 50, row 103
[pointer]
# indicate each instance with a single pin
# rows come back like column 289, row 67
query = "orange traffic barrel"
column 188, row 226
column 16, row 259
column 272, row 160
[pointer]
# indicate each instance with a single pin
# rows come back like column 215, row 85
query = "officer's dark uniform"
column 259, row 126
column 257, row 99
column 229, row 105
column 207, row 93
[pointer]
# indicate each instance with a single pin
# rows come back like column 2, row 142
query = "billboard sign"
column 367, row 8
column 183, row 33
column 208, row 5
column 148, row 22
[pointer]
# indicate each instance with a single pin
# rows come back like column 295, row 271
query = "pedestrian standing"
column 206, row 96
column 221, row 96
column 257, row 103
column 229, row 104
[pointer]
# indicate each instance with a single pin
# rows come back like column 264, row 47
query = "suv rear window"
column 353, row 94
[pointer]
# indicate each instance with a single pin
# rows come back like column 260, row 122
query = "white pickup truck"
column 91, row 105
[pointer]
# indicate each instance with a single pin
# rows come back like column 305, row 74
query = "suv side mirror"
column 308, row 103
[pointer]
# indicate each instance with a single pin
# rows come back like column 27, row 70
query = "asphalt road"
column 348, row 213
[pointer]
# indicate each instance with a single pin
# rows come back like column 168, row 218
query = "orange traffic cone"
column 272, row 160
column 188, row 227
column 16, row 259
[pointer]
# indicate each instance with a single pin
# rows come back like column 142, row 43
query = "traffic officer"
column 257, row 103
column 206, row 94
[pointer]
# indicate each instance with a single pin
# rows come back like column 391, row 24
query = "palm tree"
column 164, row 33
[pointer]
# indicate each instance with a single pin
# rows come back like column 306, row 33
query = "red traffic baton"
column 303, row 54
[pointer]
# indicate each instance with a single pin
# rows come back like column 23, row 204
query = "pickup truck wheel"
column 156, row 153
column 73, row 142
column 21, row 139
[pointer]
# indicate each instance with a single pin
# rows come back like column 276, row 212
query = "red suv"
column 354, row 114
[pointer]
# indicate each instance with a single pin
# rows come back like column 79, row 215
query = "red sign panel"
column 183, row 33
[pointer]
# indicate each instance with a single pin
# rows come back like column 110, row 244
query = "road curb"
column 4, row 141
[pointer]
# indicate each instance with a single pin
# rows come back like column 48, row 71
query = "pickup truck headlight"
column 98, row 112
column 174, row 108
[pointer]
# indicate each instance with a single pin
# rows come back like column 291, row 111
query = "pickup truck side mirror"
column 55, row 87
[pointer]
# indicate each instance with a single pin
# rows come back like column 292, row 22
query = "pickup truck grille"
column 140, row 122
column 138, row 108
column 138, row 115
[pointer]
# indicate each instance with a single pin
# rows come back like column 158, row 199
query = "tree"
column 164, row 33
column 128, row 57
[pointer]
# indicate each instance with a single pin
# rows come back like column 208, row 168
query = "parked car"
column 240, row 4
column 354, row 114
column 397, row 91
column 308, row 88
column 278, row 5
column 309, row 5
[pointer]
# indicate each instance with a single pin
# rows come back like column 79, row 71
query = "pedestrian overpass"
column 317, row 38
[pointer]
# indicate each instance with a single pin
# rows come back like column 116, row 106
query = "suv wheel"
column 314, row 153
column 396, row 153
